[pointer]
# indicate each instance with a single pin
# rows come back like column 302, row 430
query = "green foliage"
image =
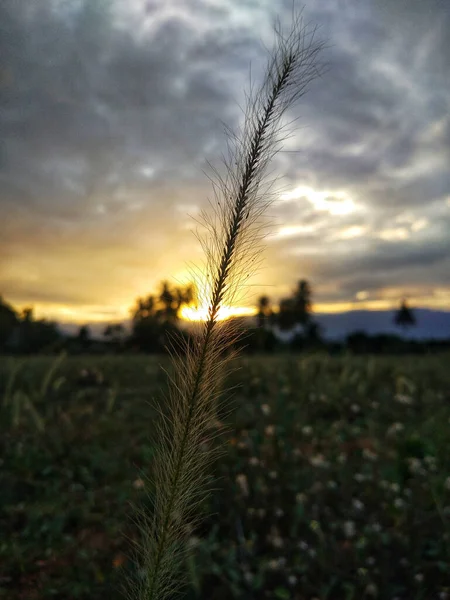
column 335, row 483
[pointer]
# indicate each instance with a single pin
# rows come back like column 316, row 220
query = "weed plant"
column 232, row 242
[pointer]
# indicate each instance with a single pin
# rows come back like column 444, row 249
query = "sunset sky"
column 110, row 110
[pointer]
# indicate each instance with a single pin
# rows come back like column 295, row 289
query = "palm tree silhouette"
column 404, row 316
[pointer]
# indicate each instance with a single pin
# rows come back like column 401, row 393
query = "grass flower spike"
column 232, row 245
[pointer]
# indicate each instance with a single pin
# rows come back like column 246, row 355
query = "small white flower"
column 342, row 458
column 277, row 541
column 418, row 577
column 248, row 576
column 292, row 580
column 301, row 498
column 349, row 529
column 332, row 485
column 355, row 408
column 303, row 545
column 372, row 590
column 253, row 461
column 399, row 503
column 415, row 466
column 279, row 512
column 359, row 477
column 319, row 461
column 357, row 504
column 270, row 430
column 265, row 408
column 241, row 480
column 273, row 474
column 404, row 399
column 394, row 429
column 369, row 455
column 307, row 430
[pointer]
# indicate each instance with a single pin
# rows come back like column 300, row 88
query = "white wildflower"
column 369, row 454
column 415, row 466
column 319, row 461
column 349, row 529
column 342, row 458
column 404, row 399
column 371, row 590
column 242, row 481
column 399, row 503
column 394, row 429
column 357, row 504
column 248, row 577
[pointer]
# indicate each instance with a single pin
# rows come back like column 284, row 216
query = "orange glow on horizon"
column 190, row 313
column 81, row 315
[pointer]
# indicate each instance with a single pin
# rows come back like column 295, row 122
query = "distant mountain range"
column 430, row 324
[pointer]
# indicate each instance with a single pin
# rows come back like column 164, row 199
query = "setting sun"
column 192, row 313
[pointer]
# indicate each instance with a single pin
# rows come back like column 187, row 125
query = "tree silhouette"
column 9, row 321
column 84, row 337
column 302, row 302
column 155, row 316
column 296, row 309
column 115, row 333
column 404, row 317
column 264, row 311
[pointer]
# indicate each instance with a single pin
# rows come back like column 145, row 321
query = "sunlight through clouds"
column 335, row 203
column 111, row 111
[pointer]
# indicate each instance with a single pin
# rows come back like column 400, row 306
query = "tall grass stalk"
column 232, row 245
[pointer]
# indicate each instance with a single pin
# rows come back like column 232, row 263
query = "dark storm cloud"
column 108, row 111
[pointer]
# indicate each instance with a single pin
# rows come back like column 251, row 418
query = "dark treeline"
column 288, row 326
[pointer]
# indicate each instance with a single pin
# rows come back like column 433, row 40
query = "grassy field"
column 334, row 484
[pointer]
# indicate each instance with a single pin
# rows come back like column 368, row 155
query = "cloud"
column 109, row 111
